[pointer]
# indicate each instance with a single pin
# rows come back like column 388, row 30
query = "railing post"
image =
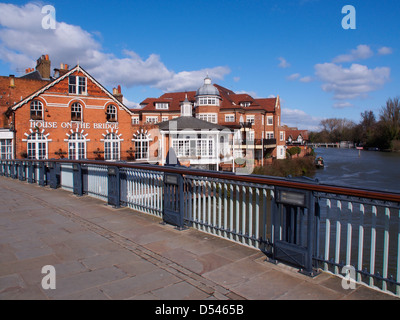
column 114, row 186
column 173, row 211
column 42, row 173
column 54, row 181
column 14, row 169
column 77, row 179
column 31, row 168
column 21, row 172
column 291, row 207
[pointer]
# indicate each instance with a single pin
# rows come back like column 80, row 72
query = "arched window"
column 36, row 110
column 141, row 146
column 37, row 146
column 112, row 146
column 77, row 146
column 111, row 113
column 76, row 112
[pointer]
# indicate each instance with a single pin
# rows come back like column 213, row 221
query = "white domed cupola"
column 207, row 94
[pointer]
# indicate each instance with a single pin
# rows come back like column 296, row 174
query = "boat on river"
column 319, row 162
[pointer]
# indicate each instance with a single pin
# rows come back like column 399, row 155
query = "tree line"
column 382, row 132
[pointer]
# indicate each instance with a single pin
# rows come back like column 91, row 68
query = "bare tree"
column 390, row 118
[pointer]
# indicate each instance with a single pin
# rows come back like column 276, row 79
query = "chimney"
column 43, row 66
column 12, row 80
column 60, row 72
column 117, row 94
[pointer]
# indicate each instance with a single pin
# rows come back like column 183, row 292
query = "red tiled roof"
column 230, row 100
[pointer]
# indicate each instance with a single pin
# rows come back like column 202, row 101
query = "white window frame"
column 270, row 120
column 282, row 135
column 164, row 118
column 77, row 109
column 37, row 146
column 135, row 120
column 36, row 110
column 162, row 105
column 112, row 113
column 251, row 119
column 269, row 135
column 142, row 146
column 245, row 104
column 208, row 101
column 151, row 119
column 112, row 146
column 229, row 118
column 209, row 117
column 77, row 146
column 77, row 85
column 6, row 149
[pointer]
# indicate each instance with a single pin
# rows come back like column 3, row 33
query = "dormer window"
column 162, row 105
column 245, row 104
column 77, row 85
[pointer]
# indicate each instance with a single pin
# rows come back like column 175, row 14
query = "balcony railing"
column 353, row 233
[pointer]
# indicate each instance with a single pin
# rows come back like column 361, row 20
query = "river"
column 362, row 169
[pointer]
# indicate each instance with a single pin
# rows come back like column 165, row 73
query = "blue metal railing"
column 351, row 229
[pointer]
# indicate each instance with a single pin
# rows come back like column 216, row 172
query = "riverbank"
column 295, row 167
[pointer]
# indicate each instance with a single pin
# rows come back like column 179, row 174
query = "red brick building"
column 72, row 116
column 256, row 122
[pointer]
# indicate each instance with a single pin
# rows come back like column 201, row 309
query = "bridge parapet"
column 318, row 226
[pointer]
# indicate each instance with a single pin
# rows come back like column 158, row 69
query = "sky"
column 301, row 50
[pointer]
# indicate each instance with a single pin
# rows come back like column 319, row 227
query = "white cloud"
column 293, row 76
column 306, row 79
column 362, row 52
column 384, row 51
column 300, row 119
column 342, row 105
column 23, row 40
column 350, row 83
column 283, row 63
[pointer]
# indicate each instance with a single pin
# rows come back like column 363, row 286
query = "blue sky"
column 296, row 49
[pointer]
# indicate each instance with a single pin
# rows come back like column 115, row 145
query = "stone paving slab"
column 103, row 253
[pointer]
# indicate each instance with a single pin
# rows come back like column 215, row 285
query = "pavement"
column 103, row 253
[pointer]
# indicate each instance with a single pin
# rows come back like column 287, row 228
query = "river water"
column 360, row 168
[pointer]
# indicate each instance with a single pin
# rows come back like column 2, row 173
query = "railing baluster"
column 237, row 230
column 225, row 210
column 373, row 244
column 244, row 202
column 231, row 211
column 338, row 236
column 398, row 255
column 219, row 208
column 349, row 235
column 385, row 249
column 361, row 241
column 214, row 203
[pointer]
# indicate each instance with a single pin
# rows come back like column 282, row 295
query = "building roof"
column 207, row 89
column 229, row 100
column 189, row 123
column 54, row 82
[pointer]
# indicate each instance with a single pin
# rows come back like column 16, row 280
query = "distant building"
column 253, row 122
